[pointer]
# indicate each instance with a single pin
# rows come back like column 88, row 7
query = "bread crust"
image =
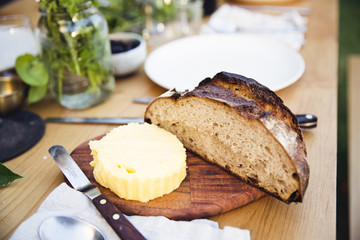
column 255, row 102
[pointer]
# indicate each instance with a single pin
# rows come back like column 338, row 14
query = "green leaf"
column 31, row 70
column 7, row 176
column 71, row 8
column 36, row 93
column 96, row 3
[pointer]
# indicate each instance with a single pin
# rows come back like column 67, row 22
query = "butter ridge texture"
column 139, row 161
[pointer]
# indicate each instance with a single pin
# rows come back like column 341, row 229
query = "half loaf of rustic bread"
column 241, row 126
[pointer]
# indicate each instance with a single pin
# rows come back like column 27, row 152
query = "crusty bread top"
column 254, row 101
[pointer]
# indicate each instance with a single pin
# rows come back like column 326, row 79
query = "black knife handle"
column 307, row 120
column 121, row 225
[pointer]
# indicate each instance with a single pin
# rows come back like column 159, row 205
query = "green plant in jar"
column 130, row 15
column 75, row 51
column 124, row 15
column 163, row 10
column 75, row 48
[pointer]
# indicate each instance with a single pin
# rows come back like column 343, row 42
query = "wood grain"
column 267, row 218
column 206, row 191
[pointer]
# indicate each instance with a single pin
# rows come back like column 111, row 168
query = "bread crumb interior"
column 219, row 134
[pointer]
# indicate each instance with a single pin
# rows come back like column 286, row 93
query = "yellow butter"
column 139, row 161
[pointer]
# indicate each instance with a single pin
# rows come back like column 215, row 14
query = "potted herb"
column 74, row 50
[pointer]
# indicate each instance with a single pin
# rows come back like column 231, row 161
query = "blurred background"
column 349, row 44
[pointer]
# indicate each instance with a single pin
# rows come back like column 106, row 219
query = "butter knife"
column 306, row 121
column 121, row 225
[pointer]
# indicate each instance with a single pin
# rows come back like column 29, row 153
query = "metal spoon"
column 62, row 227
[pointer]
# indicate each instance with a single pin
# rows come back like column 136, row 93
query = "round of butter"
column 139, row 161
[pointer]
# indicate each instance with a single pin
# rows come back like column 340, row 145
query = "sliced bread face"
column 241, row 126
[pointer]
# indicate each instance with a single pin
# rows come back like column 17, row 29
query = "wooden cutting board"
column 206, row 191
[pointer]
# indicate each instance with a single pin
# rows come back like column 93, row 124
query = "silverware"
column 145, row 100
column 70, row 228
column 306, row 121
column 121, row 225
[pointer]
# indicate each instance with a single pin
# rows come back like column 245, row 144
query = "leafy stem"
column 70, row 44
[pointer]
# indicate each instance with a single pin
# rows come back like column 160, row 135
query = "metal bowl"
column 12, row 92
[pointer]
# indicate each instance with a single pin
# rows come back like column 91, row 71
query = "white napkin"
column 65, row 201
column 289, row 27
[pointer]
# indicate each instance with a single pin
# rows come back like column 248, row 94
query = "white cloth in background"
column 289, row 27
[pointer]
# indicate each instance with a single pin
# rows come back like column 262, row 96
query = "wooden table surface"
column 268, row 218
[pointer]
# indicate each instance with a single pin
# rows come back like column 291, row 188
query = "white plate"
column 183, row 63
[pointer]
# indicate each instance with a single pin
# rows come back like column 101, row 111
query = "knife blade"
column 121, row 225
column 306, row 121
column 145, row 100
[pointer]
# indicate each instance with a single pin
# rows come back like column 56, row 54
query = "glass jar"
column 124, row 15
column 75, row 49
